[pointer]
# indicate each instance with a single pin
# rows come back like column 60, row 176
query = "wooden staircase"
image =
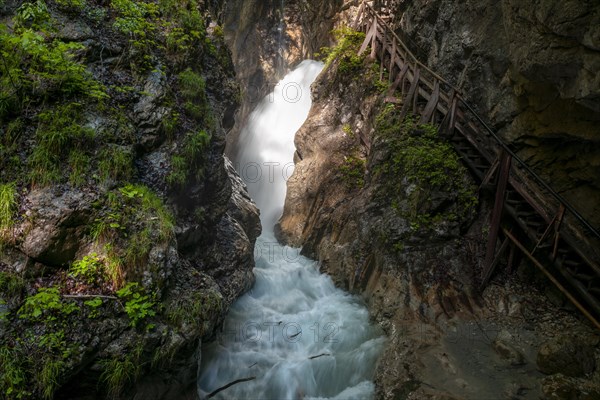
column 528, row 216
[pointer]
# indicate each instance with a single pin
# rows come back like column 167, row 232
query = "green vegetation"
column 193, row 308
column 13, row 373
column 34, row 14
column 79, row 163
column 189, row 162
column 353, row 172
column 116, row 164
column 346, row 49
column 132, row 220
column 8, row 204
column 11, row 285
column 33, row 361
column 193, row 91
column 74, row 5
column 58, row 131
column 347, row 129
column 138, row 305
column 93, row 306
column 422, row 158
column 89, row 269
column 67, row 119
column 46, row 304
column 117, row 374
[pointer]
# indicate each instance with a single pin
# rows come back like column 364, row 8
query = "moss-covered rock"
column 115, row 200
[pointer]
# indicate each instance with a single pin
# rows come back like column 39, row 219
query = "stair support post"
column 505, row 163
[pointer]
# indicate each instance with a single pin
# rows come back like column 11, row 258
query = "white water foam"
column 294, row 335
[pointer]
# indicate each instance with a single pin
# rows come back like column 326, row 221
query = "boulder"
column 568, row 355
column 57, row 220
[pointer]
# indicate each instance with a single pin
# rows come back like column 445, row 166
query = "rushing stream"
column 294, row 335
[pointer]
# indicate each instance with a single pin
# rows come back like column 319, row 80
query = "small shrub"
column 90, row 269
column 47, row 304
column 138, row 305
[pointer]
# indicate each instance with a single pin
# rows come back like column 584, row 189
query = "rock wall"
column 125, row 234
column 267, row 39
column 383, row 227
column 531, row 69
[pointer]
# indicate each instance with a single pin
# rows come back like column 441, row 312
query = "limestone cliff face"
column 531, row 68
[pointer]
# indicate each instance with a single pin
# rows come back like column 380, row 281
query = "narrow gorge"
column 248, row 199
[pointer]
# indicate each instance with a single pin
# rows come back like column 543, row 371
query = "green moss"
column 353, row 172
column 419, row 156
column 193, row 308
column 345, row 51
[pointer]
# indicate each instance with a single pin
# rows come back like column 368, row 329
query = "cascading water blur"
column 294, row 335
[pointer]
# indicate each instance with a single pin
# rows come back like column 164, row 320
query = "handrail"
column 410, row 53
column 539, row 180
column 489, row 130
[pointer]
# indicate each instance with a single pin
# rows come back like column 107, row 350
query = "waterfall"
column 294, row 335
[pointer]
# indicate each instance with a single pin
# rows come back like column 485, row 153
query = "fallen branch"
column 213, row 394
column 320, row 355
column 88, row 296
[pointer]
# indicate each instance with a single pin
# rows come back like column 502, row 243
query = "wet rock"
column 568, row 355
column 561, row 387
column 57, row 221
column 147, row 112
column 232, row 253
column 508, row 352
column 73, row 30
column 526, row 67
